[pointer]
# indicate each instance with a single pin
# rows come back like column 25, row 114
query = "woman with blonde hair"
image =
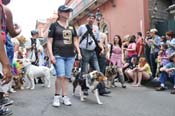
column 141, row 72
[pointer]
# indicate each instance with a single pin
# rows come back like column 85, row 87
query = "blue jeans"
column 153, row 63
column 164, row 77
column 102, row 63
column 9, row 49
column 89, row 57
column 63, row 66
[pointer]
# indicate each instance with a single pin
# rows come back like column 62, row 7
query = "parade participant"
column 6, row 69
column 89, row 38
column 62, row 39
column 33, row 48
column 116, row 57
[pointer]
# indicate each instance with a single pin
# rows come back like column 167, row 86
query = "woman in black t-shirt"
column 62, row 39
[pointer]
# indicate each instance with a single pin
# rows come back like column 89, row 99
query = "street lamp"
column 99, row 16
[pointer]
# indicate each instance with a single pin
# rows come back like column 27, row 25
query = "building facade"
column 162, row 15
column 120, row 17
column 42, row 25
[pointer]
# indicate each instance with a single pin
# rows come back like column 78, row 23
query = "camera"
column 1, row 76
column 125, row 46
column 90, row 42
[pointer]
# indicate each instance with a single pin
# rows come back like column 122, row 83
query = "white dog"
column 32, row 72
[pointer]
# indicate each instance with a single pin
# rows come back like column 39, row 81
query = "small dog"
column 32, row 72
column 90, row 80
column 18, row 82
column 113, row 73
column 18, row 79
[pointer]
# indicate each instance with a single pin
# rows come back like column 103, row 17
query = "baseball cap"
column 5, row 2
column 153, row 30
column 91, row 15
column 64, row 8
column 34, row 32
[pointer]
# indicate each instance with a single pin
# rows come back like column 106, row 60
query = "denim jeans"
column 9, row 49
column 64, row 66
column 89, row 58
column 153, row 63
column 164, row 77
column 102, row 63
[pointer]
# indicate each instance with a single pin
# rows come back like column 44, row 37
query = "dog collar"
column 24, row 69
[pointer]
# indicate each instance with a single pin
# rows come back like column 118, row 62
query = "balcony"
column 84, row 6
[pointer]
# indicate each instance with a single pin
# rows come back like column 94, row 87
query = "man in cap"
column 168, row 73
column 89, row 38
column 33, row 47
column 154, row 44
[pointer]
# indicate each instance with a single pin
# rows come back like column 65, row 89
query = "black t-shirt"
column 131, row 66
column 63, row 40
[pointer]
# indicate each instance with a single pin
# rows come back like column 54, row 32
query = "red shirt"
column 139, row 44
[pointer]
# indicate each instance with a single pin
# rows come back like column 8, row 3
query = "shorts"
column 64, row 66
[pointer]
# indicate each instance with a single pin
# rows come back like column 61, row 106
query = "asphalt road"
column 132, row 101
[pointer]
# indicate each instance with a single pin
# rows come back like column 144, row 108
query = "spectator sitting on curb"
column 167, row 73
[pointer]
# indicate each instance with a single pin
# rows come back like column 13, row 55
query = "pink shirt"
column 131, row 46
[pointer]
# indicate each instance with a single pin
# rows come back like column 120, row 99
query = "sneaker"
column 106, row 91
column 66, row 101
column 160, row 89
column 6, row 101
column 173, row 91
column 123, row 86
column 12, row 90
column 5, row 111
column 56, row 101
column 70, row 80
column 85, row 93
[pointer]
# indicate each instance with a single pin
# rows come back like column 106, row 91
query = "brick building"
column 162, row 15
column 43, row 25
column 119, row 16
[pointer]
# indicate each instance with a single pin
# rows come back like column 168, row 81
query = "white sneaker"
column 56, row 101
column 66, row 101
column 12, row 90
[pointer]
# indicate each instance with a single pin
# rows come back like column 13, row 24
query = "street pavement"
column 132, row 101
